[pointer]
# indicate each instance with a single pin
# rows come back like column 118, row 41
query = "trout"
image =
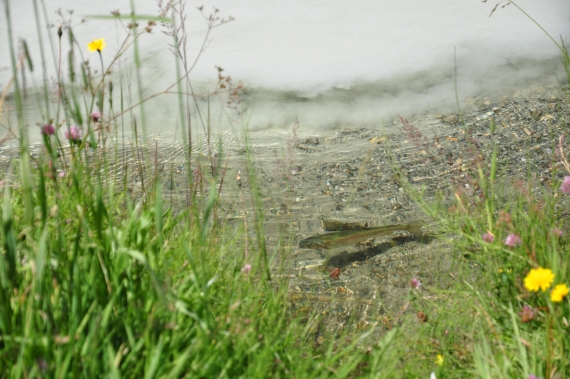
column 348, row 237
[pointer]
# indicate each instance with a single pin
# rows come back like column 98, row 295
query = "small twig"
column 7, row 137
column 223, row 175
column 155, row 163
column 244, row 224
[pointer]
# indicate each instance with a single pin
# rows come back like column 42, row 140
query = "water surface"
column 328, row 63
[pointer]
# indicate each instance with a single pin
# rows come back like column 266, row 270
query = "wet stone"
column 451, row 119
column 311, row 141
column 535, row 114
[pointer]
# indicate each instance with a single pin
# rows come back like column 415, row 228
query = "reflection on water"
column 272, row 112
column 330, row 65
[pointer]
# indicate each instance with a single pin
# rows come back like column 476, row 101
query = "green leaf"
column 27, row 54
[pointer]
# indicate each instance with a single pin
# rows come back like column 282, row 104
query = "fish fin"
column 416, row 230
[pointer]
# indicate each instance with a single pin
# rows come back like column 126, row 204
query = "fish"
column 348, row 237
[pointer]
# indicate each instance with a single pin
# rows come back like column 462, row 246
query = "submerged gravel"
column 356, row 175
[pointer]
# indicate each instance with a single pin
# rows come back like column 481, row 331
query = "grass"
column 494, row 324
column 100, row 280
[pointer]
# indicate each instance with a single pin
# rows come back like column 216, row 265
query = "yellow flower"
column 558, row 293
column 539, row 278
column 96, row 45
column 439, row 360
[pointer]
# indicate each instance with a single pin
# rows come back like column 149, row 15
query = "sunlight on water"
column 329, row 63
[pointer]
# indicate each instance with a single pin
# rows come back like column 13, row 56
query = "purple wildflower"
column 246, row 268
column 42, row 364
column 48, row 130
column 557, row 232
column 527, row 313
column 73, row 133
column 95, row 116
column 415, row 283
column 565, row 186
column 488, row 237
column 513, row 240
column 61, row 174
